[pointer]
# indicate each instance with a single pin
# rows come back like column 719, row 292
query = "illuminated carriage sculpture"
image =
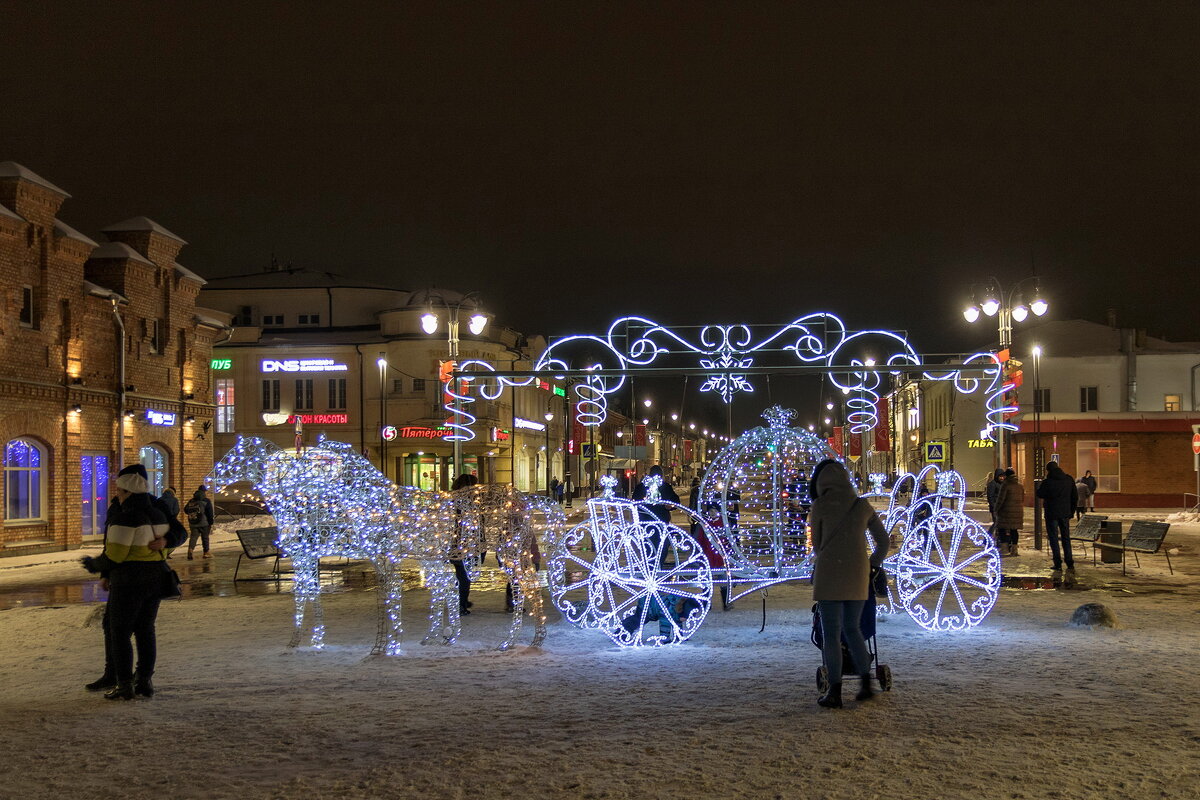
column 622, row 567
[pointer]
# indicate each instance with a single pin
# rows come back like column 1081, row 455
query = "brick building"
column 74, row 404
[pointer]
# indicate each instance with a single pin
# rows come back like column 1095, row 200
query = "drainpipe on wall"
column 362, row 431
column 120, row 387
column 1193, row 387
column 1127, row 346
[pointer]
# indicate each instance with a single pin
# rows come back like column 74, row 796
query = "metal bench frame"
column 1088, row 530
column 1142, row 537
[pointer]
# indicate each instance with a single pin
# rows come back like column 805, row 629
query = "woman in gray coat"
column 841, row 570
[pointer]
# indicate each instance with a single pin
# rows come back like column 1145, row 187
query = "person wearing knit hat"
column 134, row 563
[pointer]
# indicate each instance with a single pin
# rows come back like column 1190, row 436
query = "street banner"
column 579, row 431
column 883, row 432
column 687, row 451
column 837, row 442
column 856, row 442
column 639, row 436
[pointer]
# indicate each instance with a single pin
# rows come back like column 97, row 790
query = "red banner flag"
column 687, row 451
column 639, row 436
column 836, row 441
column 883, row 433
column 856, row 442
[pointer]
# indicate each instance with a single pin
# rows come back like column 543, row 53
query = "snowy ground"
column 1023, row 707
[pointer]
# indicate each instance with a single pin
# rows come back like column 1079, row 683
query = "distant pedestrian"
column 1085, row 498
column 170, row 502
column 200, row 515
column 1010, row 513
column 993, row 494
column 1090, row 480
column 841, row 571
column 1059, row 499
column 460, row 547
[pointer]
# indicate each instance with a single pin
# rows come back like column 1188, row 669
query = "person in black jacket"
column 133, row 565
column 993, row 494
column 1059, row 498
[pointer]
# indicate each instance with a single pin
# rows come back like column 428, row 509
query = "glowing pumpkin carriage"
column 623, row 567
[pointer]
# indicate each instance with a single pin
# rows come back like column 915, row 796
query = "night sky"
column 740, row 162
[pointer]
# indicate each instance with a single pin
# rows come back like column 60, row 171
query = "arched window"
column 24, row 480
column 156, row 462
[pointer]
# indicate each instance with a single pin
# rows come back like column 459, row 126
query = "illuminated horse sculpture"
column 499, row 518
column 329, row 501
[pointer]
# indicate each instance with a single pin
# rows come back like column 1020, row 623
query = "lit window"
column 1103, row 459
column 223, row 390
column 155, row 460
column 1171, row 402
column 24, row 481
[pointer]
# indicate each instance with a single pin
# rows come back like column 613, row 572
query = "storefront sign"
column 500, row 435
column 415, row 432
column 160, row 417
column 529, row 424
column 320, row 419
column 388, row 433
column 303, row 365
column 979, row 443
column 221, row 363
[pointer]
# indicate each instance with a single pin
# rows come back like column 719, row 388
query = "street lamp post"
column 1006, row 307
column 382, row 363
column 476, row 324
column 549, row 418
column 1039, row 455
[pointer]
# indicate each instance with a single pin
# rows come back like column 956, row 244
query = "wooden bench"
column 1143, row 537
column 1087, row 530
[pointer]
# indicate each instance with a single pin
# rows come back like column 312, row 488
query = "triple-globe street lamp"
column 1006, row 307
column 476, row 323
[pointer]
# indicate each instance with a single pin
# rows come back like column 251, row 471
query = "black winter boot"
column 832, row 698
column 103, row 684
column 122, row 691
column 143, row 685
column 866, row 692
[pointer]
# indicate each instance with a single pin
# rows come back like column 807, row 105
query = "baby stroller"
column 883, row 673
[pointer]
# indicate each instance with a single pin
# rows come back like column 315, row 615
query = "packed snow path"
column 1023, row 707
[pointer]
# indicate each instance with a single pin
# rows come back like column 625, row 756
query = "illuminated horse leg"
column 390, row 598
column 444, row 621
column 510, row 562
column 310, row 615
column 531, row 593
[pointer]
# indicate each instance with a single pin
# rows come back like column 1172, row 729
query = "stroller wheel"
column 884, row 673
column 822, row 679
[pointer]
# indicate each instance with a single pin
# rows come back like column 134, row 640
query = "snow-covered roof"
column 293, row 278
column 67, row 232
column 315, row 337
column 5, row 211
column 142, row 224
column 11, row 169
column 97, row 290
column 211, row 321
column 120, row 250
column 187, row 273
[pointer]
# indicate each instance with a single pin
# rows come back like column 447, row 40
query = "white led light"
column 429, row 322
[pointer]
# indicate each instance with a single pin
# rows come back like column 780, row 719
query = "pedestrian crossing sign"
column 935, row 451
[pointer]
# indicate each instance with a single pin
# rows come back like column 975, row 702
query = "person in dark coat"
column 200, row 519
column 841, row 570
column 1085, row 498
column 1059, row 498
column 1010, row 513
column 993, row 494
column 170, row 502
column 1090, row 480
column 133, row 561
column 460, row 570
column 651, row 491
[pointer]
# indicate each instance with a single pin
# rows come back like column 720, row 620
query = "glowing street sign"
column 303, row 365
column 529, row 424
column 319, row 419
column 221, row 364
column 935, row 451
column 160, row 417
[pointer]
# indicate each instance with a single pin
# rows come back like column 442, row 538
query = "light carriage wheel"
column 653, row 568
column 948, row 572
column 569, row 573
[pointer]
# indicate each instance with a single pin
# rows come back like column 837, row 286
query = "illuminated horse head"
column 246, row 461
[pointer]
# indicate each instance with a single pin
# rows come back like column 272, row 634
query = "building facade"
column 351, row 361
column 106, row 363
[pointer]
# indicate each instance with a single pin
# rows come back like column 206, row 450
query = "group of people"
column 1062, row 497
column 133, row 570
